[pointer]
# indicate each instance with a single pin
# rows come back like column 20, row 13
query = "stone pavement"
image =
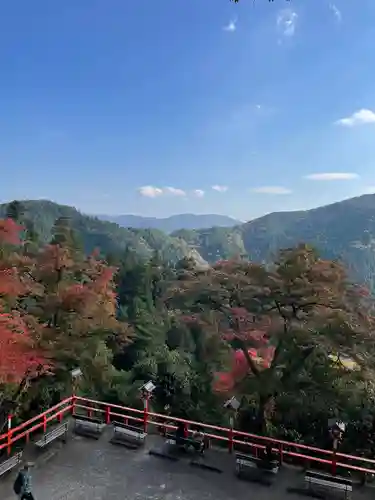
column 97, row 470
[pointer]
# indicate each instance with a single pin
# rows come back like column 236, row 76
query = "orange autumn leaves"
column 46, row 299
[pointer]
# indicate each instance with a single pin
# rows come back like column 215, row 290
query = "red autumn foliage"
column 9, row 232
column 19, row 357
column 226, row 381
column 10, row 284
column 249, row 331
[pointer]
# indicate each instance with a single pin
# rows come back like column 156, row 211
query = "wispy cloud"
column 271, row 190
column 332, row 176
column 336, row 12
column 150, row 191
column 361, row 117
column 231, row 26
column 220, row 189
column 286, row 22
column 199, row 193
column 174, row 191
column 154, row 192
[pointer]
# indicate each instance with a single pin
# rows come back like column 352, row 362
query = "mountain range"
column 343, row 230
column 172, row 223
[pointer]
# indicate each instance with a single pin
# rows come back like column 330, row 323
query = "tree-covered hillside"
column 272, row 336
column 172, row 223
column 107, row 236
column 343, row 230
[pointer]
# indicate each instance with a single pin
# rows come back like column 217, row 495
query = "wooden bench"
column 61, row 431
column 10, row 463
column 88, row 426
column 327, row 481
column 185, row 443
column 124, row 433
column 257, row 469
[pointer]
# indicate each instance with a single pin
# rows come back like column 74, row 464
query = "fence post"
column 10, row 433
column 44, row 423
column 89, row 410
column 74, row 398
column 145, row 412
column 230, row 440
column 334, row 463
column 9, row 449
column 107, row 415
column 281, row 454
column 230, row 436
column 10, row 421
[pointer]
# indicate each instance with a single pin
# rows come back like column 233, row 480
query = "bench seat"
column 244, row 462
column 60, row 431
column 128, row 433
column 184, row 442
column 10, row 463
column 328, row 481
column 88, row 426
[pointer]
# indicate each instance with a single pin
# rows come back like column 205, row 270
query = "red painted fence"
column 231, row 438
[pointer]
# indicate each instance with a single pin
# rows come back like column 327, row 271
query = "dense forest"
column 277, row 336
column 343, row 231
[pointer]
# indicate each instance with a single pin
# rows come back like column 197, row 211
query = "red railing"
column 37, row 423
column 231, row 438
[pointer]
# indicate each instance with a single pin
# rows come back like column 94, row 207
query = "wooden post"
column 230, row 437
column 145, row 411
column 10, row 434
column 107, row 415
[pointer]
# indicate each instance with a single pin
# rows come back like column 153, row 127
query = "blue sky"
column 159, row 107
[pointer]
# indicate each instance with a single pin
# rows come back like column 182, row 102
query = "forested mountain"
column 107, row 236
column 274, row 336
column 172, row 223
column 343, row 230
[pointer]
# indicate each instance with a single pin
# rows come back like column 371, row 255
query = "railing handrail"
column 148, row 417
column 236, row 432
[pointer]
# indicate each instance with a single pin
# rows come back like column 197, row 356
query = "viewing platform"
column 91, row 467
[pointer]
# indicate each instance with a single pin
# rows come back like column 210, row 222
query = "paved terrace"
column 97, row 470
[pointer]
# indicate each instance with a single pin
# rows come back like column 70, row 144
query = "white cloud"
column 361, row 117
column 286, row 22
column 150, row 191
column 153, row 191
column 231, row 26
column 332, row 176
column 336, row 12
column 199, row 193
column 271, row 190
column 220, row 189
column 174, row 191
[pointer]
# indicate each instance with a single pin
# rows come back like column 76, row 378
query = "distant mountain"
column 343, row 230
column 106, row 236
column 172, row 223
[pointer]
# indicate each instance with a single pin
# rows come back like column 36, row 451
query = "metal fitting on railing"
column 107, row 415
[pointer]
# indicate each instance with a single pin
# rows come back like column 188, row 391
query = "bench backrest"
column 328, row 477
column 88, row 419
column 128, row 427
column 14, row 460
column 251, row 458
column 58, row 429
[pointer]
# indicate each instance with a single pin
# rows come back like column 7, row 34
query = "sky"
column 158, row 107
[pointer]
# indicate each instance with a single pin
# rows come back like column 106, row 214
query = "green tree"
column 287, row 312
